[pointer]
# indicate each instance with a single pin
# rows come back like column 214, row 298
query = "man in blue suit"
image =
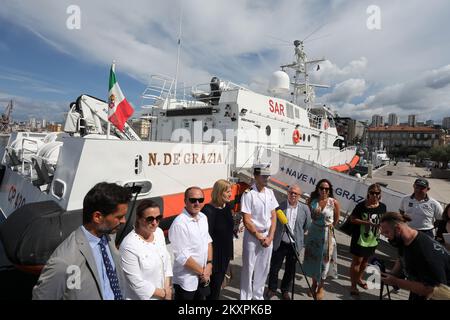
column 299, row 219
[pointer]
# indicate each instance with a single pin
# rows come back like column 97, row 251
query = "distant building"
column 33, row 123
column 446, row 123
column 352, row 130
column 404, row 136
column 393, row 119
column 429, row 123
column 377, row 121
column 412, row 120
column 54, row 127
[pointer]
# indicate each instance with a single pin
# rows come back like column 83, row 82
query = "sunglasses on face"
column 420, row 187
column 194, row 200
column 150, row 219
column 374, row 193
column 324, row 189
column 294, row 193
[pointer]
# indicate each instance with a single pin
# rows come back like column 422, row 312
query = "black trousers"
column 181, row 294
column 216, row 281
column 278, row 256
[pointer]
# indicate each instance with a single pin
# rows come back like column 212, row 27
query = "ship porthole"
column 268, row 130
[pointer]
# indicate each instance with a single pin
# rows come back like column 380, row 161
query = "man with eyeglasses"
column 258, row 206
column 423, row 210
column 192, row 249
column 299, row 220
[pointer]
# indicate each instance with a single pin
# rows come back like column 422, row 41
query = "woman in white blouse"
column 145, row 259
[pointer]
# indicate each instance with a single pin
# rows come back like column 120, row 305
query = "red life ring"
column 296, row 136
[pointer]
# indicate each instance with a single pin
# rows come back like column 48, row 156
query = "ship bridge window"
column 297, row 113
column 268, row 130
column 309, row 138
column 304, row 137
column 290, row 110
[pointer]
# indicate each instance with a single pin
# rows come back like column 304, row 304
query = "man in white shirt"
column 192, row 249
column 422, row 209
column 299, row 220
column 258, row 206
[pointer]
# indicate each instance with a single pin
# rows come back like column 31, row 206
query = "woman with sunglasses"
column 366, row 219
column 145, row 259
column 220, row 227
column 320, row 244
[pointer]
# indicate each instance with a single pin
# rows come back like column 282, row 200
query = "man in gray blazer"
column 299, row 219
column 86, row 266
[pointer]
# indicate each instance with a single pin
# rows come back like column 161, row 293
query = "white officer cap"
column 262, row 169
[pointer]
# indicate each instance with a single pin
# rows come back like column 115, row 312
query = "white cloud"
column 28, row 82
column 26, row 108
column 232, row 40
column 427, row 96
column 346, row 91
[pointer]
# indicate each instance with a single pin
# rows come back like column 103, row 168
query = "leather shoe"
column 270, row 294
column 285, row 296
column 320, row 294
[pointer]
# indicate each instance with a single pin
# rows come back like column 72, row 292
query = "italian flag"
column 119, row 109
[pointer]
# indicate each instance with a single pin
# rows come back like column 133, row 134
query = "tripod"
column 382, row 285
column 297, row 259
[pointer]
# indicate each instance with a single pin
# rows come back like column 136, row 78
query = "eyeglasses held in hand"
column 194, row 200
column 150, row 219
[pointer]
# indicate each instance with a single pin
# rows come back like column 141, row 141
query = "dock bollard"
column 369, row 171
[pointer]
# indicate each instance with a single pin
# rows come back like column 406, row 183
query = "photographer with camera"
column 426, row 262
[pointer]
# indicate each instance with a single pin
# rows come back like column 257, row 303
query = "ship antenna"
column 178, row 50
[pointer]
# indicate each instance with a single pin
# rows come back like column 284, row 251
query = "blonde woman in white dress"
column 145, row 259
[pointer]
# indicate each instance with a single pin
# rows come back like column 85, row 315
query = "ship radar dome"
column 279, row 82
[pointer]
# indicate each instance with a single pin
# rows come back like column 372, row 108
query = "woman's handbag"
column 347, row 226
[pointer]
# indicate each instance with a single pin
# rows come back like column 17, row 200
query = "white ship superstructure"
column 223, row 111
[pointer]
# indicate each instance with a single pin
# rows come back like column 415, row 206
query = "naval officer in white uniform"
column 258, row 206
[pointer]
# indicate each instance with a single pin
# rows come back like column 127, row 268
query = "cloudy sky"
column 403, row 67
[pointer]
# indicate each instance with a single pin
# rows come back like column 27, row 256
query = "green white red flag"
column 119, row 110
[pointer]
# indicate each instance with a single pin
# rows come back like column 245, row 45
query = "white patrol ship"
column 197, row 137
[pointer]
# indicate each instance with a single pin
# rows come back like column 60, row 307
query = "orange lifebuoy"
column 296, row 136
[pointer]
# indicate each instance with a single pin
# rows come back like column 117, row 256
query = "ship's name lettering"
column 276, row 107
column 175, row 159
column 301, row 176
column 348, row 195
column 341, row 192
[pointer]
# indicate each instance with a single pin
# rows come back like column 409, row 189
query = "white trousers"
column 255, row 267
